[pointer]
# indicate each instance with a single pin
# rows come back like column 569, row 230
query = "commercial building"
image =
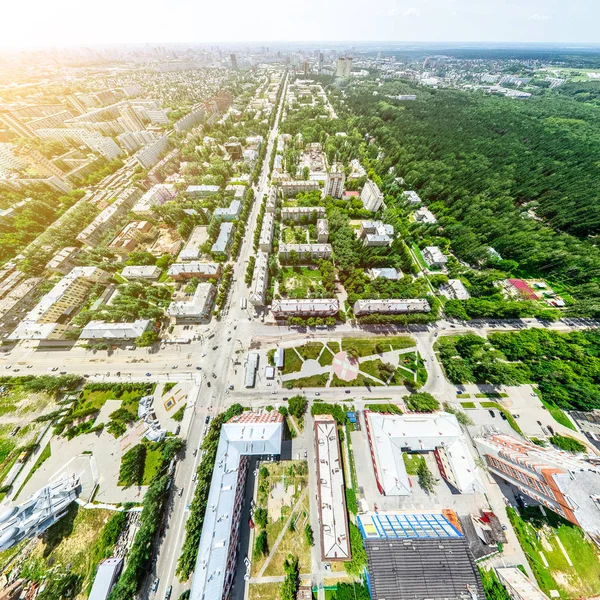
column 385, row 273
column 248, row 434
column 305, row 251
column 291, row 188
column 155, row 196
column 564, row 483
column 331, row 491
column 260, row 280
column 419, row 556
column 194, row 269
column 390, row 306
column 221, row 245
column 412, row 197
column 455, row 289
column 202, row 190
column 390, row 435
column 265, row 242
column 63, row 261
column 322, row 231
column 434, row 257
column 101, row 330
column 305, row 307
column 193, row 307
column 149, row 272
column 302, row 213
column 231, row 213
column 41, row 510
column 250, row 369
column 334, row 183
column 371, row 196
column 518, row 585
column 151, row 153
column 106, row 577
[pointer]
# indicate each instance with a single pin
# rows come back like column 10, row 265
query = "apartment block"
column 195, row 269
column 150, row 154
column 191, row 120
column 566, row 484
column 375, row 233
column 305, row 251
column 130, row 236
column 155, row 196
column 390, row 306
column 194, row 307
column 146, row 272
column 291, row 188
column 63, row 261
column 302, row 213
column 222, row 244
column 334, row 183
column 322, row 231
column 271, row 199
column 305, row 307
column 434, row 257
column 265, row 242
column 260, row 280
column 230, row 213
column 371, row 196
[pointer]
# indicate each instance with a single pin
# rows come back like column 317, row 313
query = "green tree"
column 422, row 402
column 426, row 478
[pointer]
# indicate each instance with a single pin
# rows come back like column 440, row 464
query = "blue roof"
column 406, row 526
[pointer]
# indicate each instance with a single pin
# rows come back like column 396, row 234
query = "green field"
column 303, row 382
column 370, row 346
column 326, row 357
column 310, row 350
column 291, row 361
column 299, row 281
column 412, row 462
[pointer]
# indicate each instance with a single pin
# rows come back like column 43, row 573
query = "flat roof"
column 335, row 540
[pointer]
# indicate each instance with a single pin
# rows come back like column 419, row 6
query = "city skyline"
column 482, row 21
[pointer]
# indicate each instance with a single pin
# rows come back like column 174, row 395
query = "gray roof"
column 101, row 330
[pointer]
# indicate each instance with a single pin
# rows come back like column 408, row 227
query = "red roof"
column 522, row 287
column 351, row 194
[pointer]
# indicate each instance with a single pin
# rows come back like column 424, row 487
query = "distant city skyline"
column 68, row 23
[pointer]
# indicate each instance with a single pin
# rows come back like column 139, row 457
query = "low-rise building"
column 302, row 213
column 390, row 306
column 412, row 197
column 230, row 213
column 194, row 269
column 155, row 196
column 434, row 257
column 149, row 272
column 424, row 215
column 250, row 369
column 265, row 242
column 130, row 236
column 193, row 307
column 106, row 577
column 260, row 280
column 305, row 251
column 518, row 585
column 385, row 273
column 291, row 188
column 305, row 307
column 237, row 191
column 63, row 261
column 371, row 196
column 272, row 199
column 221, row 246
column 202, row 190
column 101, row 330
column 322, row 231
column 455, row 289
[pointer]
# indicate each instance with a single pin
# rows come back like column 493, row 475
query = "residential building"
column 272, row 199
column 390, row 306
column 221, row 246
column 434, row 257
column 193, row 307
column 149, row 272
column 96, row 230
column 132, row 141
column 157, row 195
column 518, row 585
column 195, row 269
column 265, row 242
column 130, row 236
column 412, row 197
column 129, row 119
column 334, row 183
column 424, row 215
column 234, row 149
column 566, row 484
column 305, row 307
column 260, row 280
column 191, row 120
column 157, row 115
column 16, row 125
column 291, row 188
column 64, row 260
column 385, row 273
column 322, row 231
column 34, row 515
column 39, row 162
column 344, row 67
column 106, row 576
column 302, row 213
column 305, row 251
column 376, row 233
column 455, row 289
column 391, row 435
column 151, row 153
column 238, row 191
column 231, row 213
column 157, row 173
column 202, row 190
column 101, row 330
column 371, row 196
column 248, row 434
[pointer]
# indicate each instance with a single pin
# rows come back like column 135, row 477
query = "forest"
column 518, row 176
column 565, row 366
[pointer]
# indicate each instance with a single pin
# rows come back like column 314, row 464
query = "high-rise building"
column 320, row 69
column 566, row 484
column 306, row 67
column 16, row 125
column 39, row 162
column 344, row 67
column 129, row 119
column 371, row 196
column 233, row 61
column 334, row 183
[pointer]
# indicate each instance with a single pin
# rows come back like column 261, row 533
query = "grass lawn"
column 511, row 420
column 326, row 357
column 491, row 395
column 300, row 280
column 310, row 350
column 538, row 534
column 153, row 461
column 463, row 395
column 368, row 346
column 264, row 591
column 291, row 361
column 360, row 381
column 10, row 447
column 312, row 381
column 44, row 455
column 558, row 414
column 412, row 462
column 373, row 368
column 468, row 404
column 334, row 347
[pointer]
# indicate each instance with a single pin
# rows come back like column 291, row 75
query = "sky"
column 73, row 22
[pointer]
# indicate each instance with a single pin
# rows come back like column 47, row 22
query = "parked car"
column 168, row 592
column 206, row 421
column 492, row 413
column 155, row 585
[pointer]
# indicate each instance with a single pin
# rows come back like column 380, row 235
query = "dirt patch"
column 279, row 497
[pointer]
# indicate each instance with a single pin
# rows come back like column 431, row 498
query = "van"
column 243, row 303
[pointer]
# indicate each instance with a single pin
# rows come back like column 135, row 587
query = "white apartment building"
column 334, row 183
column 455, row 289
column 343, row 68
column 305, row 251
column 412, row 197
column 132, row 141
column 390, row 306
column 156, row 195
column 305, row 307
column 371, row 196
column 150, row 154
column 192, row 119
column 194, row 307
column 434, row 257
column 150, row 272
column 375, row 233
column 265, row 242
column 424, row 215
